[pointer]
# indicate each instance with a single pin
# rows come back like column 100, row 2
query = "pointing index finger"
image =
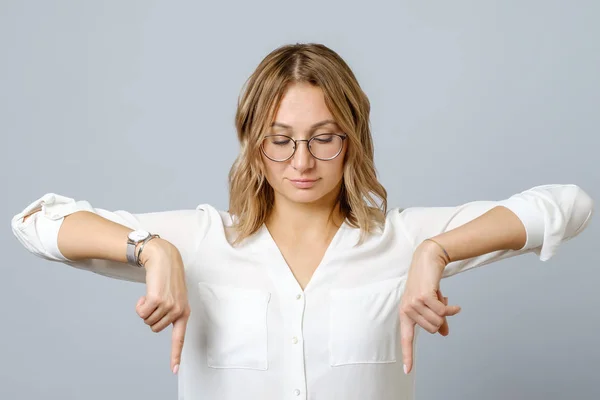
column 177, row 339
column 407, row 332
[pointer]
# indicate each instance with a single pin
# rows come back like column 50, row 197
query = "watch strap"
column 133, row 239
column 137, row 257
column 131, row 252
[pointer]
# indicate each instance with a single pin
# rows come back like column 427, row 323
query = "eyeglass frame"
column 343, row 137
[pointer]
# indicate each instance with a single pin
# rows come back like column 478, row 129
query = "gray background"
column 130, row 105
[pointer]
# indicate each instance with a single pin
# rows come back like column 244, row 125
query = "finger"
column 441, row 308
column 139, row 304
column 146, row 307
column 444, row 329
column 436, row 304
column 425, row 317
column 423, row 322
column 165, row 321
column 407, row 333
column 157, row 315
column 452, row 310
column 177, row 340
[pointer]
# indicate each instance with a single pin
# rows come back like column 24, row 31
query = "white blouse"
column 254, row 333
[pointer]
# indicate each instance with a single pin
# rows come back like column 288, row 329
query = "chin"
column 304, row 196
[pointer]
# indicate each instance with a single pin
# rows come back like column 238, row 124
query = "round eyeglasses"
column 323, row 147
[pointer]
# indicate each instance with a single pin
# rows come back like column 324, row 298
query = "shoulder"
column 418, row 214
column 399, row 215
column 417, row 222
column 216, row 222
column 214, row 215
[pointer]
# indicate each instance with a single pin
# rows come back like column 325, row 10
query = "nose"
column 302, row 159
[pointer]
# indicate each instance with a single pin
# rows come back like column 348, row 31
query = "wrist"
column 434, row 251
column 156, row 247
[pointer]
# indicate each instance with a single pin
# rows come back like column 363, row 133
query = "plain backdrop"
column 130, row 105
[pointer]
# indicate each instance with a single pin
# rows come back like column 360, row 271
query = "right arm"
column 61, row 229
column 58, row 228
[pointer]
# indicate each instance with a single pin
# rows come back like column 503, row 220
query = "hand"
column 166, row 300
column 422, row 302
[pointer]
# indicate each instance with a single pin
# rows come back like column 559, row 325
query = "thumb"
column 177, row 339
column 452, row 310
column 407, row 333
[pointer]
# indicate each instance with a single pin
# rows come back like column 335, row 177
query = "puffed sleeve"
column 39, row 233
column 551, row 214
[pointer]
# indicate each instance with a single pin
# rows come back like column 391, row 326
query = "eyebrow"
column 318, row 124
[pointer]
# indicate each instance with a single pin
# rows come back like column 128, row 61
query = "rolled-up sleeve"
column 551, row 214
column 39, row 233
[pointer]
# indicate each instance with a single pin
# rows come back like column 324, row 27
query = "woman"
column 308, row 287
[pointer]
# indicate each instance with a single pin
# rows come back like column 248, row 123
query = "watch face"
column 138, row 235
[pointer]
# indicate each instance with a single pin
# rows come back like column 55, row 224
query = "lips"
column 303, row 183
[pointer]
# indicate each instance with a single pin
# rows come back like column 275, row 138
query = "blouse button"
column 297, row 392
column 294, row 340
column 298, row 296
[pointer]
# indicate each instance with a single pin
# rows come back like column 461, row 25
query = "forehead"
column 302, row 106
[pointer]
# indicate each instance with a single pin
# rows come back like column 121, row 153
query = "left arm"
column 537, row 220
column 499, row 229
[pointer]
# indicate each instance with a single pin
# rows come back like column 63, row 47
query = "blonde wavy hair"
column 362, row 198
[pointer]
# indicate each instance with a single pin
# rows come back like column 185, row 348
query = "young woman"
column 308, row 287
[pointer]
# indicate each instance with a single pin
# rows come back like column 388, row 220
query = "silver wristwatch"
column 133, row 239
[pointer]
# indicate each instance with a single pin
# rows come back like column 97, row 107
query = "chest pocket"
column 235, row 326
column 364, row 323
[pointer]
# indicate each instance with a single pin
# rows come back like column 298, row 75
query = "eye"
column 277, row 140
column 324, row 138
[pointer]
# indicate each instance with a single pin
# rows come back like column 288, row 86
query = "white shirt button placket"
column 297, row 368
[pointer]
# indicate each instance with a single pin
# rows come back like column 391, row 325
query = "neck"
column 300, row 219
